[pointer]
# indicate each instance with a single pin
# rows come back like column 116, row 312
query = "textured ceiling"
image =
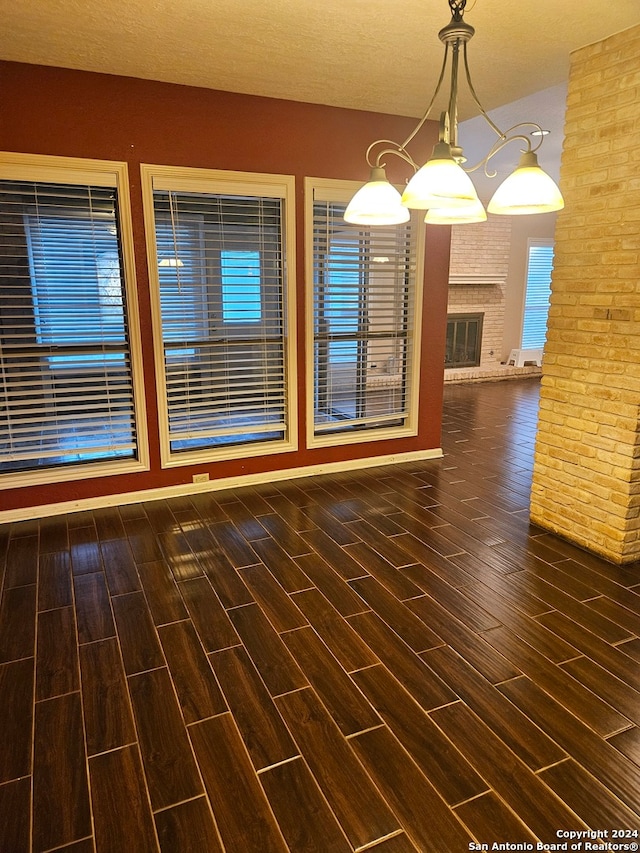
column 359, row 54
column 365, row 54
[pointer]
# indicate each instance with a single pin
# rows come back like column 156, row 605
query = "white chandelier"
column 442, row 186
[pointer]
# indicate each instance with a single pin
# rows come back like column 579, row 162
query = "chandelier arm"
column 400, row 149
column 476, row 99
column 397, row 150
column 499, row 145
column 382, row 153
column 503, row 134
column 433, row 98
column 536, row 127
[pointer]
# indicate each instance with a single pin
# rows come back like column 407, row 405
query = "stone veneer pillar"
column 586, row 479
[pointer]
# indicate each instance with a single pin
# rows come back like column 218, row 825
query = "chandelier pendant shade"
column 377, row 203
column 442, row 186
column 441, row 182
column 527, row 190
column 473, row 212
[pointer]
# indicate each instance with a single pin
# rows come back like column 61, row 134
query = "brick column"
column 586, row 480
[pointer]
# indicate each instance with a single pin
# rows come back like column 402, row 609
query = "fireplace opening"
column 464, row 340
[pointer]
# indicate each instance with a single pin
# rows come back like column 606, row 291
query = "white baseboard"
column 31, row 512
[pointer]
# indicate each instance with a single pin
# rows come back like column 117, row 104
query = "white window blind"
column 66, row 387
column 223, row 317
column 538, row 292
column 363, row 294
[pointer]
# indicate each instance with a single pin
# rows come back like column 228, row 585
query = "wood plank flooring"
column 388, row 660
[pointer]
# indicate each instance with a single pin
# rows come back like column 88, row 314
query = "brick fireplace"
column 477, row 283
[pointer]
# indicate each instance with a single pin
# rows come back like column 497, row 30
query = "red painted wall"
column 80, row 114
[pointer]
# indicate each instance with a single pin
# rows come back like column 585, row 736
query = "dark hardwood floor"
column 389, row 660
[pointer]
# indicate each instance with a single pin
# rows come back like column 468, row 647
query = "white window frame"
column 219, row 182
column 328, row 190
column 40, row 168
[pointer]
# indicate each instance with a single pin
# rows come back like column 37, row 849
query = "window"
column 536, row 306
column 223, row 247
column 362, row 333
column 68, row 396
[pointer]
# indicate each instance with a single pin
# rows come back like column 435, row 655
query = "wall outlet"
column 201, row 478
